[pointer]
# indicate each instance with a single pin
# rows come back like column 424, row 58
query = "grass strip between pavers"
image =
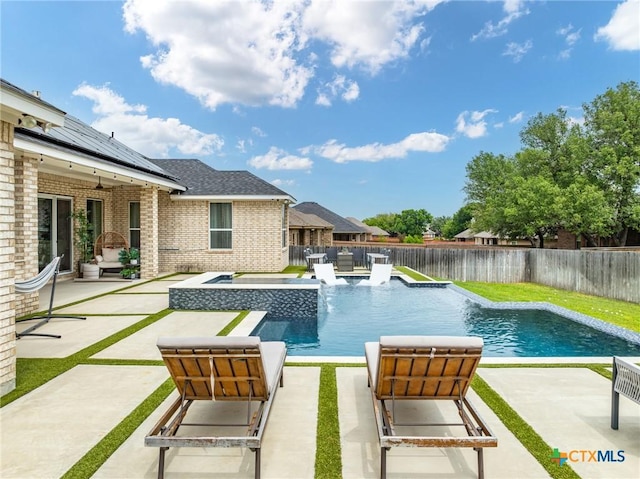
column 98, row 454
column 328, row 463
column 530, row 439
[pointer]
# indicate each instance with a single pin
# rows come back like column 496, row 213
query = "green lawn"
column 620, row 313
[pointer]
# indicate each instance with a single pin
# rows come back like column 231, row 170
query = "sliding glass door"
column 55, row 233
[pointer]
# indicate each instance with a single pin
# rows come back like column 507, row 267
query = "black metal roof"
column 202, row 180
column 340, row 224
column 31, row 96
column 78, row 137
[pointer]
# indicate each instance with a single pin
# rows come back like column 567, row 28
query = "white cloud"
column 571, row 37
column 517, row 50
column 278, row 182
column 240, row 146
column 429, row 142
column 473, row 124
column 256, row 52
column 258, row 132
column 623, row 30
column 370, row 34
column 348, row 90
column 517, row 118
column 277, row 159
column 513, row 10
column 153, row 137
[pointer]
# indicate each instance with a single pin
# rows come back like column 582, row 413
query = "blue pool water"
column 350, row 315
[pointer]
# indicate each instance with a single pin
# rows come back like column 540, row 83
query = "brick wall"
column 149, row 229
column 7, row 261
column 184, row 237
column 26, row 230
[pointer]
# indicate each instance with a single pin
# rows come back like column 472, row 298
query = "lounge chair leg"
column 161, row 462
column 615, row 398
column 257, row 466
column 480, row 463
column 383, row 463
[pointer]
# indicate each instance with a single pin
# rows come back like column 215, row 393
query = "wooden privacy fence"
column 611, row 274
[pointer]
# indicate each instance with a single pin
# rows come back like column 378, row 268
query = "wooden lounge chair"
column 425, row 368
column 219, row 369
column 325, row 273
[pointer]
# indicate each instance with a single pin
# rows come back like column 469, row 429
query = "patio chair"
column 35, row 284
column 332, row 254
column 422, row 368
column 219, row 369
column 358, row 257
column 325, row 273
column 106, row 251
column 625, row 381
column 380, row 274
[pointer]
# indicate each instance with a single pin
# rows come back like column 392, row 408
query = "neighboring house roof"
column 80, row 138
column 466, row 234
column 298, row 219
column 204, row 181
column 340, row 224
column 485, row 234
column 374, row 230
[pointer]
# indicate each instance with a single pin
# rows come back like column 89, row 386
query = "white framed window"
column 220, row 226
column 134, row 224
column 285, row 235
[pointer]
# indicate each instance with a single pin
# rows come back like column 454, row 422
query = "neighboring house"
column 343, row 229
column 182, row 214
column 309, row 230
column 374, row 233
column 429, row 235
column 464, row 236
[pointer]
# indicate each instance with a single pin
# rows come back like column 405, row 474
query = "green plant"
column 82, row 237
column 128, row 272
column 124, row 256
column 134, row 253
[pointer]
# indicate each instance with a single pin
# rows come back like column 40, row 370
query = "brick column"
column 149, row 233
column 26, row 230
column 7, row 261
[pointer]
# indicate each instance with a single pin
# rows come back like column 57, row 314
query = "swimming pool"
column 348, row 316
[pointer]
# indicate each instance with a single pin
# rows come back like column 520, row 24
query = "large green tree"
column 582, row 179
column 413, row 222
column 612, row 125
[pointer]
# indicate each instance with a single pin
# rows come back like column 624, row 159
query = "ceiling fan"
column 98, row 187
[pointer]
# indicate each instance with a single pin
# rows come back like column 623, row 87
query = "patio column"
column 7, row 261
column 26, row 230
column 149, row 233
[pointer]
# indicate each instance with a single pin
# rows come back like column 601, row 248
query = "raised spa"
column 221, row 291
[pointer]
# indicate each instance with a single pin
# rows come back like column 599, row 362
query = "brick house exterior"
column 51, row 160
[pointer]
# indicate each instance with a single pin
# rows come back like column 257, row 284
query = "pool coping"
column 581, row 318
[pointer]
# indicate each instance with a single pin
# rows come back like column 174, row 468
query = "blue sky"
column 364, row 107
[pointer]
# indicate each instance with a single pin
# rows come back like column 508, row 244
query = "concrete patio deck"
column 44, row 433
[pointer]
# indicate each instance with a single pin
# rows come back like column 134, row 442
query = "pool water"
column 349, row 316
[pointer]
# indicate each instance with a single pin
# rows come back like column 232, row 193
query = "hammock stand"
column 36, row 283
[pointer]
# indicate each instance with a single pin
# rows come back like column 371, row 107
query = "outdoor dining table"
column 315, row 258
column 376, row 258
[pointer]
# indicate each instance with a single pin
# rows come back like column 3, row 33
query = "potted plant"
column 83, row 240
column 124, row 257
column 134, row 255
column 128, row 273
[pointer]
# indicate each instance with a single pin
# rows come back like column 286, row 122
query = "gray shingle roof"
column 304, row 220
column 340, row 224
column 202, row 180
